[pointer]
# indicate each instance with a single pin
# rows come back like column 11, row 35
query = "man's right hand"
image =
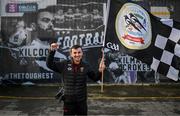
column 54, row 46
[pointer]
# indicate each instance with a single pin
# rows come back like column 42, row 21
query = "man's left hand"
column 102, row 65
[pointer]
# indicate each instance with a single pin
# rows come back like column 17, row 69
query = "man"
column 97, row 18
column 75, row 73
column 77, row 18
column 69, row 16
column 43, row 34
column 59, row 19
column 18, row 38
column 86, row 19
column 45, row 25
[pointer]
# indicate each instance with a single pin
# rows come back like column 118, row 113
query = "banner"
column 133, row 30
column 28, row 29
column 124, row 69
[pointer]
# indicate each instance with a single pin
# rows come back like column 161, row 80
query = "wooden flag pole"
column 102, row 89
column 102, row 79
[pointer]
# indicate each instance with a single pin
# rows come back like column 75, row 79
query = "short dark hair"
column 75, row 47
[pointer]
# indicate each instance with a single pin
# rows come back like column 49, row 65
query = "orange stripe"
column 160, row 13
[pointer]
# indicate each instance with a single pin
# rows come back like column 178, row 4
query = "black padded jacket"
column 74, row 76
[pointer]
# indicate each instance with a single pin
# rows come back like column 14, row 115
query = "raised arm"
column 55, row 66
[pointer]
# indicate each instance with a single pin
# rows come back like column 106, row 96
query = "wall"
column 26, row 37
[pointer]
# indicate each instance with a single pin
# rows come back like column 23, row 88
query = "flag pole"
column 105, row 23
column 102, row 79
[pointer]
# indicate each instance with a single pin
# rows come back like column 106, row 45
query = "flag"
column 133, row 30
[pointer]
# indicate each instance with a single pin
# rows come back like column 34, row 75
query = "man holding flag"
column 133, row 30
column 75, row 73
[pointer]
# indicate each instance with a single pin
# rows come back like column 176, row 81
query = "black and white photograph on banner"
column 125, row 69
column 78, row 17
column 27, row 36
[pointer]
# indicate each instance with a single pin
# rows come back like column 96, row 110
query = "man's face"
column 76, row 55
column 45, row 20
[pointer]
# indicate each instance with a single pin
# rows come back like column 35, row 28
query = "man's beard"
column 46, row 35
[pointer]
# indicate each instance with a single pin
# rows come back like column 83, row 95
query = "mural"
column 26, row 38
column 28, row 28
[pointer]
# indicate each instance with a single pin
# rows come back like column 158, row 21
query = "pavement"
column 122, row 100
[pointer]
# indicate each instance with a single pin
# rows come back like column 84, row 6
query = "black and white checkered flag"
column 168, row 45
column 133, row 30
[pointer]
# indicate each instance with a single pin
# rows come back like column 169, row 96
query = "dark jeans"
column 75, row 108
